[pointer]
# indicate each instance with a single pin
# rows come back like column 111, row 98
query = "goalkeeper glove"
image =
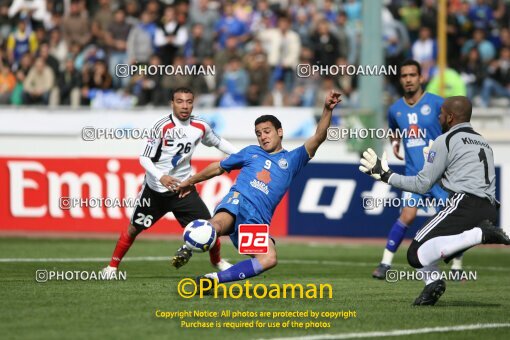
column 375, row 167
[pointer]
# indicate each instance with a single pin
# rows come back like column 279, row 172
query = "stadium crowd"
column 65, row 52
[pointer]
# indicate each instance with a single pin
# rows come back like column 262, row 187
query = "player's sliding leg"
column 395, row 237
column 124, row 242
column 243, row 270
column 186, row 210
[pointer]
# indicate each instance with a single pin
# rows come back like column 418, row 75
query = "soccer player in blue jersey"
column 267, row 171
column 416, row 117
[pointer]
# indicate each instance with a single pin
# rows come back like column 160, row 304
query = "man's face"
column 268, row 137
column 182, row 105
column 445, row 119
column 410, row 80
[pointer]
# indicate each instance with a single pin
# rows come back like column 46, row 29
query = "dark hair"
column 181, row 90
column 269, row 118
column 411, row 62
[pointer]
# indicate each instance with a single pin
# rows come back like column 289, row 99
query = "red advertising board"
column 32, row 191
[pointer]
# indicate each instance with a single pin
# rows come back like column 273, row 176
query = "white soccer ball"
column 199, row 235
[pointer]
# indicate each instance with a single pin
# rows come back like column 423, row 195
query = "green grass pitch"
column 126, row 309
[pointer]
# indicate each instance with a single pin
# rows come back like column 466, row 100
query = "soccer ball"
column 199, row 235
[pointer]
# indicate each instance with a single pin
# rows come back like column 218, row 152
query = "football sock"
column 240, row 271
column 428, row 275
column 457, row 263
column 214, row 252
column 123, row 244
column 444, row 246
column 397, row 233
column 387, row 258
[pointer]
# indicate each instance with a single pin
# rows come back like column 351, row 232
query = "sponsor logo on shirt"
column 263, row 179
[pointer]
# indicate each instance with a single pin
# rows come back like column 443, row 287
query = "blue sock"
column 397, row 233
column 241, row 271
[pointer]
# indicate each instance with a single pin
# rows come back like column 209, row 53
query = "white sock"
column 457, row 263
column 444, row 246
column 213, row 276
column 428, row 277
column 387, row 257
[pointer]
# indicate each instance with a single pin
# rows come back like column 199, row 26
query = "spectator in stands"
column 20, row 42
column 6, row 23
column 410, row 14
column 282, row 47
column 76, row 25
column 103, row 19
column 51, row 61
column 346, row 36
column 140, row 43
column 58, row 47
column 485, row 47
column 262, row 17
column 234, row 85
column 97, row 79
column 473, row 72
column 35, row 10
column 353, row 10
column 329, row 11
column 116, row 39
column 228, row 26
column 67, row 91
column 424, row 51
column 325, row 45
column 132, row 12
column 205, row 86
column 498, row 80
column 171, row 83
column 243, row 10
column 7, row 83
column 38, row 83
column 170, row 36
column 206, row 16
column 428, row 16
column 481, row 15
column 148, row 88
column 302, row 26
column 278, row 96
column 258, row 72
column 198, row 45
column 222, row 57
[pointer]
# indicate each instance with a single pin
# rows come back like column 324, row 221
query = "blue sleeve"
column 392, row 123
column 299, row 159
column 234, row 161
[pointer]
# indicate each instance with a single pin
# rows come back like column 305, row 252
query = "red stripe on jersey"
column 167, row 127
column 199, row 126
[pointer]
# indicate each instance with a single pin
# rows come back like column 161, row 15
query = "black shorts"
column 463, row 213
column 185, row 209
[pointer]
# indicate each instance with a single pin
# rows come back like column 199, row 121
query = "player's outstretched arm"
column 212, row 170
column 313, row 143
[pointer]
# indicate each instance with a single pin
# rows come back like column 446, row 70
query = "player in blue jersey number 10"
column 267, row 171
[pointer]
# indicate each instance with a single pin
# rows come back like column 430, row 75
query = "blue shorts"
column 242, row 209
column 436, row 194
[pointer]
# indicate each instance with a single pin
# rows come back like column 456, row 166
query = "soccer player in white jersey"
column 166, row 158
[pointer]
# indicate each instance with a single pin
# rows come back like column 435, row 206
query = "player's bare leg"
column 125, row 241
column 222, row 223
column 395, row 237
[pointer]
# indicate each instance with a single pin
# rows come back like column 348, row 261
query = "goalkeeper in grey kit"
column 463, row 162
